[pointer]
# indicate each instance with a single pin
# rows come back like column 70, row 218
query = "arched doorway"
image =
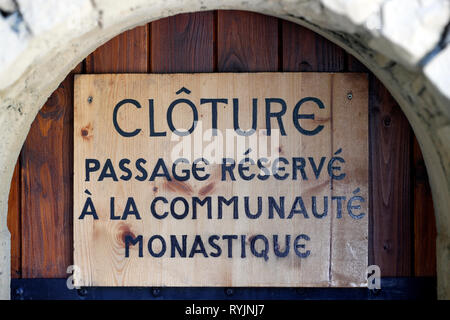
column 220, row 42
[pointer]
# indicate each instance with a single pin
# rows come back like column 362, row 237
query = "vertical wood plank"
column 246, row 42
column 349, row 237
column 424, row 220
column 305, row 50
column 14, row 223
column 183, row 43
column 47, row 197
column 390, row 226
column 126, row 53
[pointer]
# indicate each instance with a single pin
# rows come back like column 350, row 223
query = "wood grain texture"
column 390, row 233
column 350, row 134
column 391, row 215
column 128, row 52
column 100, row 245
column 14, row 227
column 246, row 42
column 305, row 50
column 424, row 220
column 183, row 43
column 47, row 198
column 354, row 65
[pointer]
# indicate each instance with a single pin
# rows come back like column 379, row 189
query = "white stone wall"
column 404, row 42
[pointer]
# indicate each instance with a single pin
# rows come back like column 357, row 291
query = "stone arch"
column 404, row 43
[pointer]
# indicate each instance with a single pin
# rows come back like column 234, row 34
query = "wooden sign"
column 221, row 179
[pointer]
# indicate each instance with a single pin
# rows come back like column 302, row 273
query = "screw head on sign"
column 349, row 95
column 229, row 292
column 89, row 99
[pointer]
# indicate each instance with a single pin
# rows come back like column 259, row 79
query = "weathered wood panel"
column 354, row 65
column 14, row 227
column 350, row 140
column 128, row 52
column 183, row 43
column 424, row 220
column 101, row 238
column 392, row 188
column 391, row 214
column 246, row 42
column 47, row 199
column 305, row 50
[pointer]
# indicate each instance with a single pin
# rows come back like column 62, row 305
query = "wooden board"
column 183, row 43
column 46, row 182
column 304, row 50
column 246, row 41
column 14, row 223
column 390, row 223
column 390, row 217
column 424, row 220
column 337, row 242
column 128, row 52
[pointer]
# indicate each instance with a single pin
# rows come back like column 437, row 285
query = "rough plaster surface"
column 401, row 41
column 7, row 6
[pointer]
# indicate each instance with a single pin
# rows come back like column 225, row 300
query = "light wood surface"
column 338, row 246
